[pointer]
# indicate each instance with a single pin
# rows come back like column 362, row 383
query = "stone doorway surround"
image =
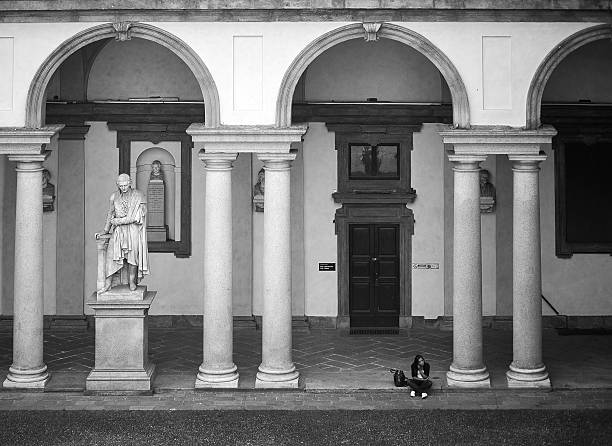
column 372, row 213
column 468, row 148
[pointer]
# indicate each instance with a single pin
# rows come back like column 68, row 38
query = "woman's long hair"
column 416, row 360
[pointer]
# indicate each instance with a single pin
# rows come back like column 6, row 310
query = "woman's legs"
column 419, row 386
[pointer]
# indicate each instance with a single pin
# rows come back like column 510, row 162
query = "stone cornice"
column 306, row 10
column 26, row 141
column 494, row 140
column 234, row 139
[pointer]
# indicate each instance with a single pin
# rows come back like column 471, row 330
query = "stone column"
column 28, row 370
column 277, row 369
column 467, row 368
column 527, row 368
column 218, row 368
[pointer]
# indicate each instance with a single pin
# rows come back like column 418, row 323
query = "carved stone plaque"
column 156, row 207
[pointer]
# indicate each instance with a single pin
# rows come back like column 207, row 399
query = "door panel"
column 374, row 275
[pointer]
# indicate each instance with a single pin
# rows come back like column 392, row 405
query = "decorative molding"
column 371, row 31
column 24, row 141
column 551, row 61
column 123, row 31
column 461, row 109
column 250, row 139
column 36, row 98
column 495, row 140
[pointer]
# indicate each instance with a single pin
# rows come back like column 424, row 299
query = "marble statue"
column 157, row 231
column 487, row 193
column 259, row 190
column 48, row 191
column 126, row 224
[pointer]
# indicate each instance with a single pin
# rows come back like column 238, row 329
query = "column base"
column 277, row 379
column 468, row 378
column 528, row 378
column 120, row 380
column 217, row 379
column 28, row 379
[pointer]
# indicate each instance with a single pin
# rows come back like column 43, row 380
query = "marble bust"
column 487, row 193
column 259, row 191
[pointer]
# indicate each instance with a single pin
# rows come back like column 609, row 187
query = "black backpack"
column 399, row 379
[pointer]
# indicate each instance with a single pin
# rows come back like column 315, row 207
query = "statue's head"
column 484, row 176
column 156, row 167
column 46, row 176
column 124, row 182
column 261, row 176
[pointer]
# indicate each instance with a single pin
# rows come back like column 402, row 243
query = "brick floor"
column 330, row 359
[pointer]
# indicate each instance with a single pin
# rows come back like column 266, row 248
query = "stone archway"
column 461, row 112
column 551, row 61
column 121, row 31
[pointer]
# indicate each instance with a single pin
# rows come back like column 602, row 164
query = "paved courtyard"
column 330, row 359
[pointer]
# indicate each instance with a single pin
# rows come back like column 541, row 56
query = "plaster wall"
column 428, row 240
column 3, row 162
column 583, row 75
column 282, row 42
column 386, row 70
column 320, row 244
column 50, row 237
column 8, row 188
column 140, row 68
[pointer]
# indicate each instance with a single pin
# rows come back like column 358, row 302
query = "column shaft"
column 277, row 368
column 527, row 368
column 218, row 368
column 28, row 369
column 467, row 368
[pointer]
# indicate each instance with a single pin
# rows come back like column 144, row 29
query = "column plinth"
column 277, row 369
column 217, row 368
column 527, row 368
column 467, row 368
column 28, row 370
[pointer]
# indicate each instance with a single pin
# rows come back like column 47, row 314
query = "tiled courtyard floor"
column 330, row 359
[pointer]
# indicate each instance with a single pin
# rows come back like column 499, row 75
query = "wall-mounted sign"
column 425, row 266
column 327, row 267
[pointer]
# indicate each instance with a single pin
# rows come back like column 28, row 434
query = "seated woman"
column 420, row 377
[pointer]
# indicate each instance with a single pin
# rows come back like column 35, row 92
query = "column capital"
column 277, row 161
column 30, row 162
column 527, row 163
column 217, row 161
column 466, row 162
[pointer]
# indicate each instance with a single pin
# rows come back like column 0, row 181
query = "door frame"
column 375, row 214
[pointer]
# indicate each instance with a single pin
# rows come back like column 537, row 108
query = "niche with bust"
column 160, row 165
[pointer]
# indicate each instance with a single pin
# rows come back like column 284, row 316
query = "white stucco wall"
column 320, row 244
column 282, row 42
column 140, row 68
column 428, row 240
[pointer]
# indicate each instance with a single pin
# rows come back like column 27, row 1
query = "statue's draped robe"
column 128, row 241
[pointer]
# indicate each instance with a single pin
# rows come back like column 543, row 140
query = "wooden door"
column 374, row 275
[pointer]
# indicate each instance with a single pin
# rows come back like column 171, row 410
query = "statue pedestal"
column 122, row 350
